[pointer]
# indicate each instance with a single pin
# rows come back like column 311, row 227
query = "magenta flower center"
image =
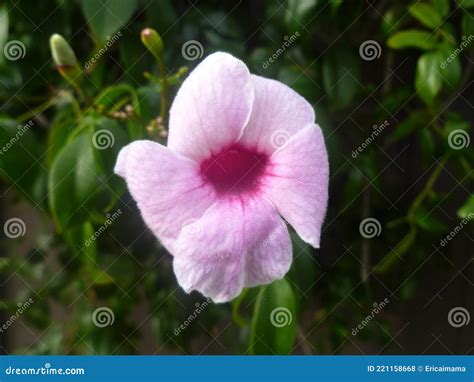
column 235, row 170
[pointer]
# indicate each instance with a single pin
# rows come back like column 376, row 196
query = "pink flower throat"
column 235, row 170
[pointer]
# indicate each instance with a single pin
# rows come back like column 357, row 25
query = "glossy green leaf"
column 106, row 17
column 273, row 327
column 412, row 38
column 467, row 209
column 426, row 14
column 428, row 79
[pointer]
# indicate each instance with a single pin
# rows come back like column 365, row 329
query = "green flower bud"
column 152, row 41
column 62, row 53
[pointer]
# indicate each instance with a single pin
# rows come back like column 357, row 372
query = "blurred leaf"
column 297, row 11
column 413, row 122
column 273, row 327
column 412, row 38
column 85, row 249
column 426, row 14
column 466, row 3
column 427, row 78
column 467, row 209
column 467, row 24
column 106, row 17
column 454, row 122
column 427, row 222
column 3, row 30
column 340, row 72
column 450, row 71
column 74, row 183
column 442, row 6
column 427, row 145
column 20, row 158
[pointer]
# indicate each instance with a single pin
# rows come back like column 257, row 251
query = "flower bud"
column 62, row 53
column 152, row 41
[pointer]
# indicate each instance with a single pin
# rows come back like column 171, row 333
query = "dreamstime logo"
column 369, row 228
column 193, row 227
column 102, row 317
column 280, row 139
column 458, row 139
column 458, row 316
column 103, row 139
column 14, row 50
column 280, row 317
column 192, row 50
column 14, row 228
column 370, row 50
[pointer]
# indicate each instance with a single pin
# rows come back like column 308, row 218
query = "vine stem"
column 428, row 188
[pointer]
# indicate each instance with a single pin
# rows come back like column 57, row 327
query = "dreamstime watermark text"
column 200, row 307
column 287, row 42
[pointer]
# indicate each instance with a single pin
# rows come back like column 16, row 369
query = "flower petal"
column 278, row 113
column 212, row 107
column 297, row 182
column 235, row 244
column 166, row 186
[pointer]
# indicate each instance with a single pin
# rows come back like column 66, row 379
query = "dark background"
column 409, row 178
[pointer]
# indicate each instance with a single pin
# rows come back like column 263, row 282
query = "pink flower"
column 243, row 153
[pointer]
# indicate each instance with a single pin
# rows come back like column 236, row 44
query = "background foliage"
column 411, row 177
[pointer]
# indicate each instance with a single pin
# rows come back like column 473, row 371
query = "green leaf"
column 340, row 72
column 20, row 158
column 442, row 6
column 427, row 222
column 297, row 11
column 426, row 14
column 3, row 30
column 428, row 80
column 413, row 122
column 75, row 186
column 106, row 17
column 412, row 38
column 427, row 145
column 79, row 240
column 450, row 66
column 273, row 327
column 468, row 24
column 466, row 3
column 467, row 209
